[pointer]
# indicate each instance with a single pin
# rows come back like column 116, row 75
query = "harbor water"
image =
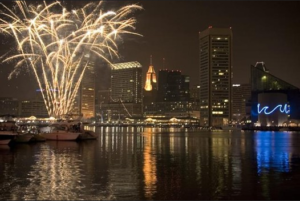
column 155, row 164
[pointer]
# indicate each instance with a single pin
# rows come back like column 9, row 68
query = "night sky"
column 262, row 31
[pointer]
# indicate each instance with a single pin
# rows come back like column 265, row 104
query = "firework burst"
column 53, row 42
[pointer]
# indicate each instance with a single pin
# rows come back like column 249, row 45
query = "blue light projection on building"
column 282, row 108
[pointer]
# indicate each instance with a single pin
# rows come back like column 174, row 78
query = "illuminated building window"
column 217, row 112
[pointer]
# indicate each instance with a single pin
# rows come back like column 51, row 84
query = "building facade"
column 9, row 106
column 150, row 88
column 173, row 95
column 126, row 90
column 87, row 91
column 34, row 107
column 84, row 101
column 241, row 95
column 215, row 59
column 274, row 102
column 173, row 86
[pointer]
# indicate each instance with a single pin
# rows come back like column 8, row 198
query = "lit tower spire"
column 150, row 77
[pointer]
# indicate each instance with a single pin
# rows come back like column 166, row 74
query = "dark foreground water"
column 128, row 163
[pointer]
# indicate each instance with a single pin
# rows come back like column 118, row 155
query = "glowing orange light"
column 150, row 78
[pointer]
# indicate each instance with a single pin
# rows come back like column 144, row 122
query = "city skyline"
column 262, row 31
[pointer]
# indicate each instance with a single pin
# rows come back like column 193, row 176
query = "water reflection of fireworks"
column 53, row 42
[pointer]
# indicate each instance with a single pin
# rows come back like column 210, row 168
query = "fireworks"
column 53, row 42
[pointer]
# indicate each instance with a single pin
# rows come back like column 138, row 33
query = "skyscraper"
column 150, row 89
column 126, row 81
column 172, row 96
column 215, row 60
column 84, row 103
column 9, row 106
column 150, row 83
column 241, row 94
column 126, row 89
column 173, row 86
column 87, row 91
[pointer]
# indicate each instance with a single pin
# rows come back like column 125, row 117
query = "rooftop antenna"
column 164, row 60
column 150, row 60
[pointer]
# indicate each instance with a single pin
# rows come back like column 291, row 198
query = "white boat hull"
column 60, row 135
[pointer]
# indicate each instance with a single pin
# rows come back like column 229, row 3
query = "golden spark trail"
column 53, row 42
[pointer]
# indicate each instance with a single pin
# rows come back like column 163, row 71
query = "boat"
column 7, row 135
column 22, row 138
column 58, row 133
column 5, row 141
column 87, row 135
column 8, row 126
column 32, row 129
column 38, row 138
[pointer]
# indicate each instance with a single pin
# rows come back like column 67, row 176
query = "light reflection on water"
column 273, row 151
column 153, row 163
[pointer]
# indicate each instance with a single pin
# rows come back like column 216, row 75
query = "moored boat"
column 22, row 138
column 61, row 135
column 87, row 135
column 38, row 138
column 7, row 135
column 58, row 133
column 5, row 141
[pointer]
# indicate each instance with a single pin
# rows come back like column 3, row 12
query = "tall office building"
column 84, row 102
column 87, row 90
column 150, row 88
column 126, row 82
column 126, row 88
column 9, row 106
column 215, row 60
column 173, row 95
column 173, row 86
column 33, row 107
column 102, row 89
column 150, row 83
column 241, row 95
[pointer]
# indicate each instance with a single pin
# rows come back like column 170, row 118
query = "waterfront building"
column 103, row 110
column 274, row 102
column 241, row 94
column 215, row 59
column 173, row 86
column 195, row 100
column 87, row 90
column 9, row 106
column 102, row 89
column 126, row 90
column 150, row 88
column 33, row 107
column 84, row 101
column 172, row 95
